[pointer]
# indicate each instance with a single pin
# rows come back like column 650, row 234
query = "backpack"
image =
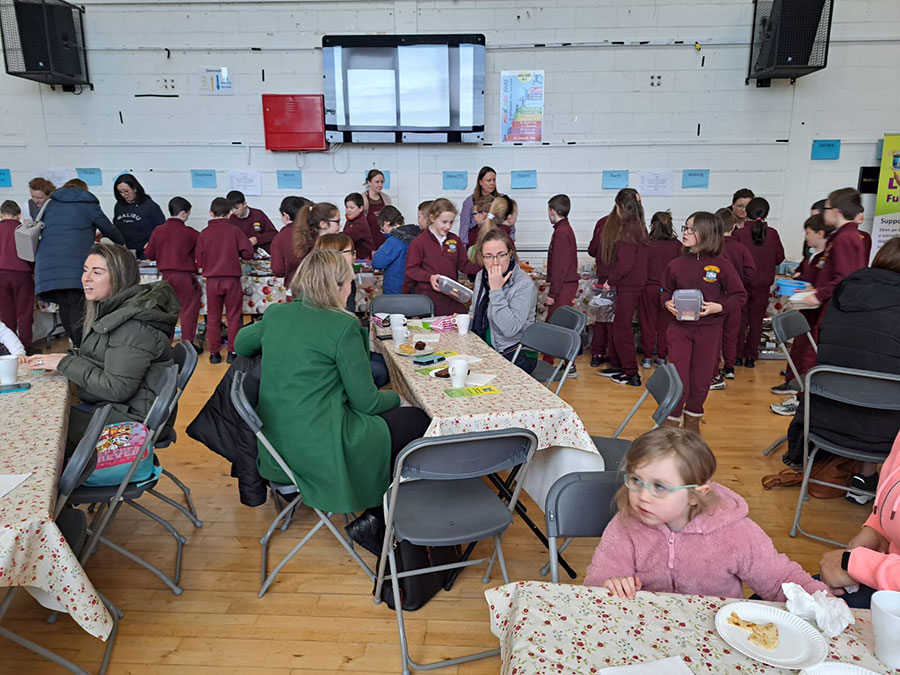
column 28, row 235
column 119, row 444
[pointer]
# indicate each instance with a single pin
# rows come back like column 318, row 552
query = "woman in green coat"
column 318, row 403
column 126, row 345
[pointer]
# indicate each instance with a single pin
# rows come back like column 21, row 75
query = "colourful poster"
column 887, row 204
column 521, row 106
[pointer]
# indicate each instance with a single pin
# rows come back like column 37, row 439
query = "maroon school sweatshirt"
column 172, row 245
column 427, row 256
column 713, row 275
column 629, row 270
column 284, row 261
column 358, row 230
column 562, row 257
column 766, row 256
column 220, row 248
column 256, row 224
column 845, row 252
column 594, row 249
column 9, row 259
column 738, row 255
column 659, row 254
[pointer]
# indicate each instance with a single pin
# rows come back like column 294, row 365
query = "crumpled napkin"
column 831, row 614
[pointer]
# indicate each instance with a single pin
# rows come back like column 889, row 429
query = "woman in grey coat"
column 505, row 297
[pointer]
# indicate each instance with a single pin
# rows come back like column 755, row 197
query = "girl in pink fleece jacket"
column 677, row 532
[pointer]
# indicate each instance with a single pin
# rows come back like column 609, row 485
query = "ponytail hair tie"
column 491, row 216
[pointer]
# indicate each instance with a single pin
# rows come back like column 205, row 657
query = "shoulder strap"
column 40, row 213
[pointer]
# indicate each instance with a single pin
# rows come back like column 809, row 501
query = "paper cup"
column 397, row 320
column 886, row 626
column 9, row 367
column 398, row 333
column 462, row 323
column 459, row 370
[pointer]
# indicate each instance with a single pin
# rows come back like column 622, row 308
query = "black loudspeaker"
column 790, row 38
column 43, row 40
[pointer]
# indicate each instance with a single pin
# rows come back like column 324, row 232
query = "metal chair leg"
column 264, row 540
column 772, row 448
column 194, row 517
column 180, row 507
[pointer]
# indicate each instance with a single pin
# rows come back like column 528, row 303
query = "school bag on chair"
column 28, row 235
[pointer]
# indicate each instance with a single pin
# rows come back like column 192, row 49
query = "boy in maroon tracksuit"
column 738, row 255
column 357, row 227
column 600, row 331
column 562, row 256
column 16, row 277
column 694, row 345
column 220, row 248
column 255, row 224
column 437, row 251
column 655, row 319
column 172, row 245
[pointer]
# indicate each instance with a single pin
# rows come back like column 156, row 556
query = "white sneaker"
column 787, row 407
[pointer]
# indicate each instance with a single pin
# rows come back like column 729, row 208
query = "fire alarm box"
column 294, row 121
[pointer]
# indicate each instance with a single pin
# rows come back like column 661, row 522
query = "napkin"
column 673, row 665
column 479, row 379
column 10, row 481
column 831, row 614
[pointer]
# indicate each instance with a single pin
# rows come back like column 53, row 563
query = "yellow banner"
column 887, row 205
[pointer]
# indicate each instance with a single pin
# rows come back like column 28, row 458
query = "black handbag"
column 416, row 591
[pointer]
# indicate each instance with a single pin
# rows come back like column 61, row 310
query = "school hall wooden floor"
column 319, row 615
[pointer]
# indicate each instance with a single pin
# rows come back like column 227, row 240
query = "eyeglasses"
column 657, row 490
column 337, row 220
column 349, row 250
column 687, row 229
column 499, row 256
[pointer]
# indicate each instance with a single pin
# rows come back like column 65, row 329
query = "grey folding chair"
column 787, row 326
column 568, row 317
column 73, row 526
column 862, row 388
column 437, row 498
column 244, row 396
column 579, row 504
column 111, row 498
column 409, row 305
column 556, row 341
column 185, row 357
column 665, row 386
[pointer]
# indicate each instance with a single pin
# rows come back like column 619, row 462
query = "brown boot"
column 673, row 422
column 692, row 422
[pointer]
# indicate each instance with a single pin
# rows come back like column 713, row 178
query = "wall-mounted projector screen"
column 404, row 88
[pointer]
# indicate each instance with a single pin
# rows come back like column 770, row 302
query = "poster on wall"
column 521, row 106
column 887, row 203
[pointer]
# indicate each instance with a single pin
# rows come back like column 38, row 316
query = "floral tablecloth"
column 556, row 628
column 33, row 552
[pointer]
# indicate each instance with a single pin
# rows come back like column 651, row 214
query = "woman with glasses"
column 505, row 297
column 739, row 206
column 676, row 531
column 136, row 215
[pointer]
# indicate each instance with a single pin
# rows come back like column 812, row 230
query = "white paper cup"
column 462, row 323
column 397, row 320
column 398, row 333
column 886, row 626
column 9, row 368
column 459, row 370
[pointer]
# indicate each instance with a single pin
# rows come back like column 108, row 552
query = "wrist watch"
column 845, row 561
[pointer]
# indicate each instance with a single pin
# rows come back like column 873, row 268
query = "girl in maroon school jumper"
column 738, row 255
column 357, row 227
column 625, row 253
column 694, row 345
column 765, row 247
column 172, row 246
column 435, row 252
column 284, row 261
column 16, row 277
column 375, row 199
column 600, row 331
column 664, row 248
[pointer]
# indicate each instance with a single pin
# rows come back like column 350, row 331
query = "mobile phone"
column 14, row 387
column 428, row 360
column 386, row 336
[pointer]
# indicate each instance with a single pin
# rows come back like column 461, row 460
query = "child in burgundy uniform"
column 255, row 224
column 500, row 214
column 220, row 248
column 739, row 203
column 284, row 261
column 16, row 277
column 624, row 249
column 172, row 245
column 422, row 215
column 562, row 256
column 664, row 248
column 357, row 227
column 600, row 330
column 765, row 247
column 314, row 220
column 481, row 208
column 738, row 255
column 437, row 251
column 694, row 345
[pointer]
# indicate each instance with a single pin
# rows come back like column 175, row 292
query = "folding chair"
column 579, row 504
column 244, row 396
column 111, row 498
column 186, row 359
column 556, row 341
column 409, row 305
column 73, row 526
column 666, row 388
column 568, row 317
column 437, row 498
column 862, row 388
column 788, row 326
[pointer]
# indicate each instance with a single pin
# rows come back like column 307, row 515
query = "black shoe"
column 597, row 361
column 739, row 362
column 610, row 372
column 231, row 357
column 630, row 380
column 750, row 363
column 859, row 482
column 786, row 388
column 198, row 347
column 368, row 532
column 728, row 373
column 215, row 357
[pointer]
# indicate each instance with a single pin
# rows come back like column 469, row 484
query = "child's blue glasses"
column 658, row 490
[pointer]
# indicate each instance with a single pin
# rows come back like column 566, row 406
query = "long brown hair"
column 336, row 241
column 306, row 226
column 709, row 230
column 888, row 256
column 661, row 226
column 628, row 228
column 485, row 170
column 123, row 273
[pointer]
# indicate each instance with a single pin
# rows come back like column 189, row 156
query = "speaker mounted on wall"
column 790, row 39
column 43, row 40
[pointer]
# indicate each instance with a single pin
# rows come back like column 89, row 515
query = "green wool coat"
column 125, row 354
column 319, row 405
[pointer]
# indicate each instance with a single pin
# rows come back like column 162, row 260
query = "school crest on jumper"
column 257, row 226
column 711, row 274
column 451, row 245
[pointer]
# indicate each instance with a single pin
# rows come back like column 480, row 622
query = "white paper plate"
column 423, row 352
column 836, row 668
column 799, row 644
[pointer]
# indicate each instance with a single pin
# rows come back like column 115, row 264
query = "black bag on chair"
column 416, row 591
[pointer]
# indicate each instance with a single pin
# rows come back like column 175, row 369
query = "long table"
column 33, row 552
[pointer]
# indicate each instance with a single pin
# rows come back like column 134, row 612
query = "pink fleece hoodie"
column 712, row 555
column 881, row 571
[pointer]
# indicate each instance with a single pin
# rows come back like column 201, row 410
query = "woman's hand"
column 434, row 282
column 670, row 305
column 624, row 587
column 871, row 539
column 710, row 308
column 832, row 574
column 48, row 362
column 496, row 277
